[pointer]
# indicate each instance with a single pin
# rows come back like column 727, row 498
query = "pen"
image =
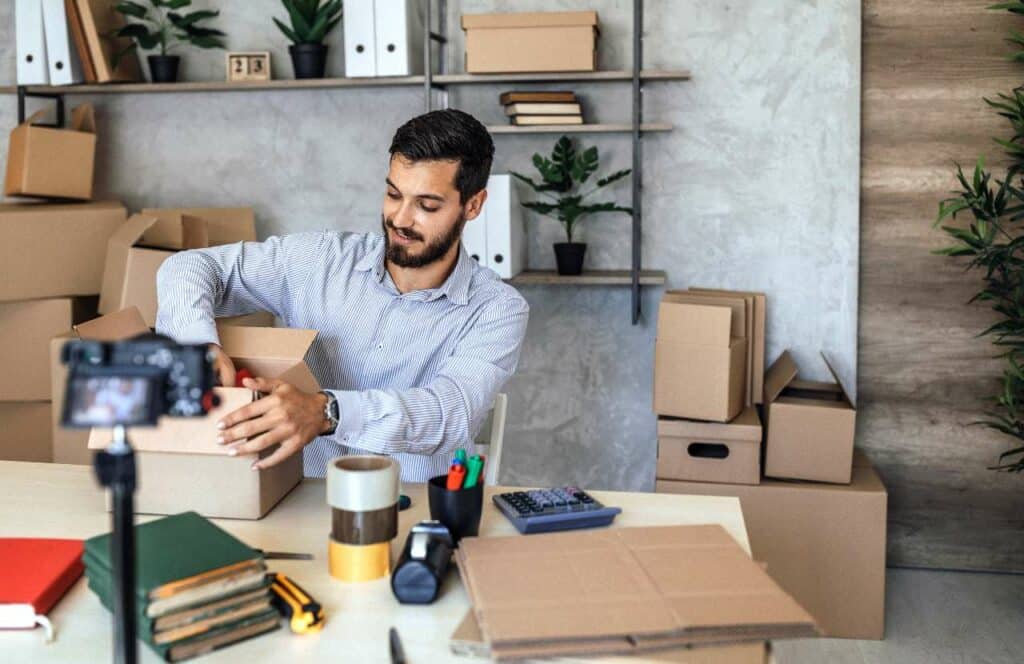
column 473, row 471
column 395, row 644
column 456, row 475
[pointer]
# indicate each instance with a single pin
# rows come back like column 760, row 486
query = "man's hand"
column 223, row 367
column 286, row 416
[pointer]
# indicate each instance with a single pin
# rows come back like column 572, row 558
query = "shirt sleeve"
column 442, row 415
column 196, row 287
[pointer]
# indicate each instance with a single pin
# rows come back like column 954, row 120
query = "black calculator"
column 550, row 510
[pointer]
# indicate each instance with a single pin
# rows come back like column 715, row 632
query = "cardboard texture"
column 758, row 304
column 810, row 426
column 49, row 162
column 531, row 42
column 25, row 332
column 823, row 543
column 220, row 225
column 55, row 250
column 26, row 431
column 710, row 451
column 699, row 361
column 622, row 590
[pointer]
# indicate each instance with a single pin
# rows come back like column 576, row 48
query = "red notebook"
column 34, row 574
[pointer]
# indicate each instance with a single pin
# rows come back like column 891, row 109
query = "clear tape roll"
column 362, row 483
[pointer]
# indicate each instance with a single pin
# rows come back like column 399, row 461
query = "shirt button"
column 380, row 346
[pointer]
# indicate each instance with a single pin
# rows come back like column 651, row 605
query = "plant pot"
column 569, row 257
column 164, row 68
column 309, row 60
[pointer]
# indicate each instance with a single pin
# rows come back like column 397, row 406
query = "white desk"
column 53, row 500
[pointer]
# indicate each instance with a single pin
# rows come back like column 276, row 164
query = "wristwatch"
column 331, row 412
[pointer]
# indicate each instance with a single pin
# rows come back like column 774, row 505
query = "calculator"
column 550, row 510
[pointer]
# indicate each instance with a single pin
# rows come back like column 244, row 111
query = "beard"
column 433, row 252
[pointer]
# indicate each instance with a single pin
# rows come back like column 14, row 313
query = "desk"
column 54, row 500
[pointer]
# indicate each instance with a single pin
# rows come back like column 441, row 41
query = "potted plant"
column 562, row 178
column 161, row 25
column 311, row 22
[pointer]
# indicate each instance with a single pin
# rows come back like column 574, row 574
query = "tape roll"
column 347, row 562
column 362, row 483
column 364, row 527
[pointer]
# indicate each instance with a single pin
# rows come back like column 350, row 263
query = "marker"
column 476, row 466
column 456, row 475
column 460, row 456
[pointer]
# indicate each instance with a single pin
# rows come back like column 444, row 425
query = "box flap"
column 176, row 231
column 133, row 229
column 270, row 342
column 119, row 325
column 83, row 119
column 115, row 268
column 839, row 381
column 696, row 324
column 782, row 371
column 223, row 225
column 529, row 20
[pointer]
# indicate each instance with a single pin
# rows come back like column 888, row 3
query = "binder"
column 474, row 237
column 61, row 57
column 399, row 37
column 360, row 49
column 506, row 234
column 31, row 43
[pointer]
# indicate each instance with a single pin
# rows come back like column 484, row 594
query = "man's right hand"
column 223, row 367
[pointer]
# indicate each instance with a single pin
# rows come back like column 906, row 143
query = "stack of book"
column 531, row 108
column 198, row 588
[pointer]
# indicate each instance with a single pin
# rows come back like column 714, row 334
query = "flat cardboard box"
column 759, row 309
column 26, row 431
column 811, row 426
column 55, row 250
column 823, row 543
column 25, row 332
column 699, row 361
column 711, row 451
column 50, row 162
column 531, row 42
column 181, row 466
column 221, row 226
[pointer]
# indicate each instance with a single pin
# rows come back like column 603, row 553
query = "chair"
column 491, row 437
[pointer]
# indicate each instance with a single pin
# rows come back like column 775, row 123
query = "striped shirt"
column 415, row 374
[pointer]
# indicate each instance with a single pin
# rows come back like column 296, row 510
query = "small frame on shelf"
column 248, row 66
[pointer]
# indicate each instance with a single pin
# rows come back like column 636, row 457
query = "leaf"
column 140, row 34
column 617, row 175
column 183, row 22
column 287, row 31
column 132, row 9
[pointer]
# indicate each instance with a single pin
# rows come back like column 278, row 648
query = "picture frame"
column 247, row 66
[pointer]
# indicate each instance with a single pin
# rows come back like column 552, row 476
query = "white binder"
column 399, row 37
column 62, row 59
column 31, row 43
column 506, row 234
column 360, row 51
column 474, row 237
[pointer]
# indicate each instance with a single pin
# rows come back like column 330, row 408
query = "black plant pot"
column 569, row 257
column 309, row 60
column 164, row 68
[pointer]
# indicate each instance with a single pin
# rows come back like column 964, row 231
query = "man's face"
column 422, row 217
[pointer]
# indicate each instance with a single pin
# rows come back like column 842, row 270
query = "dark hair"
column 449, row 135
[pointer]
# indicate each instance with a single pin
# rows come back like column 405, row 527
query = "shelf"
column 588, row 278
column 578, row 129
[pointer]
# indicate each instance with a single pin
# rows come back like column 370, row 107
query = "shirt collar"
column 455, row 287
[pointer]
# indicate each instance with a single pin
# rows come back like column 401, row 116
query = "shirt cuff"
column 350, row 411
column 199, row 332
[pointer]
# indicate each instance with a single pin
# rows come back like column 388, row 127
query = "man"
column 415, row 339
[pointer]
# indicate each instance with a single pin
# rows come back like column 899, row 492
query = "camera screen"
column 105, row 401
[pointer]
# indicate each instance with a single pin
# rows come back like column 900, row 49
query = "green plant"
column 564, row 174
column 161, row 25
column 311, row 21
column 994, row 245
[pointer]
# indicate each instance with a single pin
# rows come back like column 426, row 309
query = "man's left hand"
column 285, row 416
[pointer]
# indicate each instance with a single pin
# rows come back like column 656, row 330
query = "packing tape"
column 370, row 527
column 347, row 562
column 362, row 483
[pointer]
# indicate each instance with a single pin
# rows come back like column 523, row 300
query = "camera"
column 134, row 382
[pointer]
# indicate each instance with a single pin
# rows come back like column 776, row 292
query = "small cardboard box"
column 756, row 305
column 180, row 465
column 711, row 451
column 26, row 431
column 699, row 360
column 811, row 426
column 823, row 543
column 53, row 162
column 55, row 250
column 531, row 42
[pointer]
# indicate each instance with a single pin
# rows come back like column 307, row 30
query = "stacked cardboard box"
column 531, row 42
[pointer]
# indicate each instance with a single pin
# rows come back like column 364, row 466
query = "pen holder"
column 363, row 494
column 458, row 510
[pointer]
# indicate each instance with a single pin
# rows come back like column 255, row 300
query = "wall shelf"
column 578, row 129
column 588, row 278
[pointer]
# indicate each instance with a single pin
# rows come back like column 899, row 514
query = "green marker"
column 476, row 465
column 460, row 456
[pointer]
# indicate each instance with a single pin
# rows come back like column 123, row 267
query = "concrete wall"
column 756, row 189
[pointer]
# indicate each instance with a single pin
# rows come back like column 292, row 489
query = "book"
column 34, row 575
column 221, row 637
column 99, row 22
column 534, row 120
column 81, row 45
column 543, row 108
column 516, row 96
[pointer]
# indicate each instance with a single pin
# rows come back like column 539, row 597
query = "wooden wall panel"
column 923, row 373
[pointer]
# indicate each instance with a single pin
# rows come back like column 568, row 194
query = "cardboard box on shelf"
column 181, row 466
column 52, row 162
column 811, row 426
column 756, row 317
column 221, row 226
column 699, row 360
column 823, row 543
column 26, row 431
column 531, row 42
column 711, row 451
column 55, row 250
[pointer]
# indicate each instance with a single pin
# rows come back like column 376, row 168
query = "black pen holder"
column 458, row 510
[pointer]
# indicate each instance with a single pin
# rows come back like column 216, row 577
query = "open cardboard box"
column 711, row 451
column 52, row 162
column 180, row 465
column 220, row 226
column 811, row 425
column 531, row 42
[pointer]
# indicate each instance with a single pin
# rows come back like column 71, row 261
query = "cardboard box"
column 26, row 431
column 823, row 543
column 811, row 426
column 55, row 250
column 220, row 226
column 531, row 42
column 757, row 305
column 180, row 465
column 699, row 360
column 710, row 451
column 50, row 162
column 25, row 332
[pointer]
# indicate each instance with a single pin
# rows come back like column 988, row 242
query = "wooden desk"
column 53, row 500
